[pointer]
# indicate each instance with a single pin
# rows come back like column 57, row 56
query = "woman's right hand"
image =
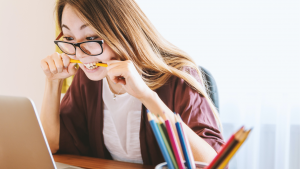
column 57, row 66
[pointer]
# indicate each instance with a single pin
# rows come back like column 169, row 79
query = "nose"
column 79, row 54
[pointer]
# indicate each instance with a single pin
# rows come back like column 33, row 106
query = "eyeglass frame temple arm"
column 59, row 36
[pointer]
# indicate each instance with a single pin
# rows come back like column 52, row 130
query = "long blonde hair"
column 129, row 33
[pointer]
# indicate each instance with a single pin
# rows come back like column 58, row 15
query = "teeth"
column 91, row 65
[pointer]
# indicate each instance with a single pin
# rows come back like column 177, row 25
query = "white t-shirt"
column 122, row 118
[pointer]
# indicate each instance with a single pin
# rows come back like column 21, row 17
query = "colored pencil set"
column 229, row 149
column 166, row 138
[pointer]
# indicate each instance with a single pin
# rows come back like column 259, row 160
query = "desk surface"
column 96, row 163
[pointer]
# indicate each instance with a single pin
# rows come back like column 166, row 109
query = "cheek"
column 108, row 53
column 104, row 57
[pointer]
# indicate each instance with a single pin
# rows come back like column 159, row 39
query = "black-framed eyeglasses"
column 92, row 48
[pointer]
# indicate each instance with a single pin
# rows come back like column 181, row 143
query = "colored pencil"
column 231, row 154
column 229, row 149
column 97, row 64
column 183, row 143
column 164, row 135
column 174, row 144
column 163, row 127
column 224, row 150
column 191, row 156
column 234, row 143
column 160, row 141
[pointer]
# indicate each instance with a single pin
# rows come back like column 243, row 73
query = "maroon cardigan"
column 81, row 118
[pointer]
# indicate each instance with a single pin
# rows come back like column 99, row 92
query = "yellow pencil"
column 227, row 159
column 98, row 64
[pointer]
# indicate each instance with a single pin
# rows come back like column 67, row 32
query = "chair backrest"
column 212, row 86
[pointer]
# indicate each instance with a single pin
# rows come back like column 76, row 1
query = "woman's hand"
column 125, row 73
column 57, row 66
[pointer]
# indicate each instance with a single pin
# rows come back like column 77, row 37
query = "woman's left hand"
column 125, row 73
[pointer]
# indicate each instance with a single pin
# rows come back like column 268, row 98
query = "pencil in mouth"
column 90, row 65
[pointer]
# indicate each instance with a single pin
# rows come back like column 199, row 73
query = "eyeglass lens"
column 90, row 48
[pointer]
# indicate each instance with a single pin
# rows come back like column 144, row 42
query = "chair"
column 212, row 86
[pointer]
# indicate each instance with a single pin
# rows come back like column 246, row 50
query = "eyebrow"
column 82, row 26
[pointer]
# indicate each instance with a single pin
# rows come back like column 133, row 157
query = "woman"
column 103, row 113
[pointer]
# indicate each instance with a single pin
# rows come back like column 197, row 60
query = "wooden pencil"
column 163, row 127
column 225, row 150
column 241, row 139
column 174, row 145
column 97, row 64
column 183, row 144
column 191, row 156
column 167, row 144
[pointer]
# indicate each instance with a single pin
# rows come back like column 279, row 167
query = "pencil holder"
column 199, row 165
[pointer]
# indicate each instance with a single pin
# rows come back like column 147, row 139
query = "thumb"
column 72, row 68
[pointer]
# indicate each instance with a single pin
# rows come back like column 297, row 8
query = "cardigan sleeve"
column 73, row 128
column 196, row 112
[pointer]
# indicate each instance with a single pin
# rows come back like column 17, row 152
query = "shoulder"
column 193, row 72
column 176, row 88
column 180, row 97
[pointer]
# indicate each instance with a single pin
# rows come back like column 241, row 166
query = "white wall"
column 27, row 31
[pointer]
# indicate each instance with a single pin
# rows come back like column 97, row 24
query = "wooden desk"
column 97, row 163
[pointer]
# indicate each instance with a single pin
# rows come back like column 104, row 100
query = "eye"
column 92, row 38
column 68, row 38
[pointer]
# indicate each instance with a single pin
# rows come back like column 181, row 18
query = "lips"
column 93, row 70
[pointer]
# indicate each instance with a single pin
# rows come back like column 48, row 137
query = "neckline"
column 111, row 93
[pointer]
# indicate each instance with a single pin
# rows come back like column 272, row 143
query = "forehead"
column 71, row 18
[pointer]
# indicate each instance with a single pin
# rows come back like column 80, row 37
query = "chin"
column 95, row 74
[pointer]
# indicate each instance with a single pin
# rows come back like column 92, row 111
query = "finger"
column 117, row 76
column 71, row 69
column 51, row 65
column 110, row 63
column 66, row 60
column 116, row 64
column 120, row 80
column 58, row 62
column 112, row 67
column 45, row 68
column 116, row 71
column 113, row 61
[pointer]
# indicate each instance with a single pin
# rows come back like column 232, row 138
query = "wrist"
column 54, row 82
column 54, row 85
column 148, row 97
column 156, row 106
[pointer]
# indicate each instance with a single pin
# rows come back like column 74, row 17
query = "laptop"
column 23, row 143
